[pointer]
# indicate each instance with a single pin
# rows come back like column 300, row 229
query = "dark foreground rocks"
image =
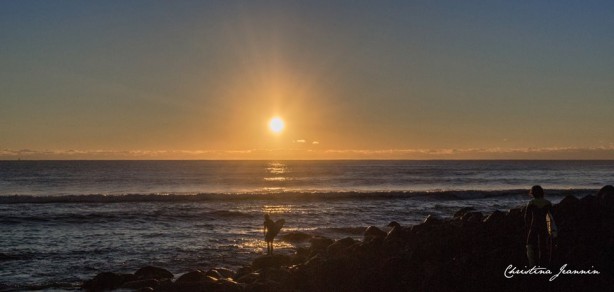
column 469, row 252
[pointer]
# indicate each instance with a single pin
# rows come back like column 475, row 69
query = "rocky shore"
column 469, row 252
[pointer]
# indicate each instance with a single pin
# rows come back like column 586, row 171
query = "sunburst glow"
column 276, row 125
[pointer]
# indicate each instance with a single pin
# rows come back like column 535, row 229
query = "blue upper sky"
column 403, row 78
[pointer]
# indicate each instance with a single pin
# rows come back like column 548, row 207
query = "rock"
column 266, row 286
column 340, row 245
column 432, row 219
column 194, row 276
column 319, row 243
column 150, row 272
column 141, row 284
column 107, row 281
column 214, row 274
column 242, row 271
column 222, row 273
column 279, row 275
column 338, row 274
column 568, row 203
column 228, row 285
column 494, row 218
column 295, row 236
column 472, row 217
column 195, row 281
column 394, row 234
column 270, row 261
column 249, row 278
column 462, row 212
column 588, row 202
column 372, row 233
column 516, row 213
column 606, row 195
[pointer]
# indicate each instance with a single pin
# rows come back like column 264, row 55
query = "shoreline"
column 468, row 252
column 281, row 195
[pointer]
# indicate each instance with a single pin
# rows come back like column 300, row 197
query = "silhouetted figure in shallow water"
column 271, row 229
column 541, row 228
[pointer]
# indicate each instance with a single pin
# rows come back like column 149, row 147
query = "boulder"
column 588, row 202
column 228, row 285
column 107, row 281
column 340, row 245
column 194, row 276
column 494, row 218
column 568, row 204
column 270, row 261
column 606, row 197
column 242, row 271
column 195, row 281
column 141, row 284
column 319, row 243
column 295, row 236
column 372, row 233
column 472, row 217
column 432, row 219
column 150, row 272
column 462, row 212
column 221, row 273
column 516, row 213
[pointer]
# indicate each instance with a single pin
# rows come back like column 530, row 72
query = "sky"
column 350, row 79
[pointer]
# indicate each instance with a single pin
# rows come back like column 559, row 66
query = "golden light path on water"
column 275, row 173
column 277, row 212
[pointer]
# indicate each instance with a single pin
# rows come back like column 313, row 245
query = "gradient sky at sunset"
column 351, row 79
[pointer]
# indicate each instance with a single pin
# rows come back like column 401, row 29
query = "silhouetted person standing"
column 271, row 229
column 540, row 225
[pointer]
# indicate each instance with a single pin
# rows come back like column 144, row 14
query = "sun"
column 276, row 125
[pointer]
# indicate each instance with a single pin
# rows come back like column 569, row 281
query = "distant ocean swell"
column 433, row 195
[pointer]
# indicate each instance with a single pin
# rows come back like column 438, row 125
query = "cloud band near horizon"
column 548, row 153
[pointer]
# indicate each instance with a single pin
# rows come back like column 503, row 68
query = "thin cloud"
column 599, row 152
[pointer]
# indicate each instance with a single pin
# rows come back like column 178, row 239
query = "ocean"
column 63, row 222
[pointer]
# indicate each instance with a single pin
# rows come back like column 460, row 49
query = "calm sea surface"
column 62, row 222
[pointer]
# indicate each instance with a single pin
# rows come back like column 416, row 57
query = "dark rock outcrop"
column 108, row 281
column 468, row 252
column 156, row 273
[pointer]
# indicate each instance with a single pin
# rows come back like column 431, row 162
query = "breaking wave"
column 200, row 197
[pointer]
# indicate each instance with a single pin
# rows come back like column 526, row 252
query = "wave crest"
column 439, row 195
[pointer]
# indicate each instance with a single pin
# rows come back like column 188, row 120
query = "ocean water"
column 62, row 222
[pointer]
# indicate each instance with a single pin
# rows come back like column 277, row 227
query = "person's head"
column 537, row 192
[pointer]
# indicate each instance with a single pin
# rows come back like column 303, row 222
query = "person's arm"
column 553, row 227
column 528, row 215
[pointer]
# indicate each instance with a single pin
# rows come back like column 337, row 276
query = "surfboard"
column 278, row 225
column 552, row 230
column 273, row 229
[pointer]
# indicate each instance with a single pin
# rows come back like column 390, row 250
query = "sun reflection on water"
column 259, row 246
column 276, row 167
column 277, row 209
column 276, row 173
